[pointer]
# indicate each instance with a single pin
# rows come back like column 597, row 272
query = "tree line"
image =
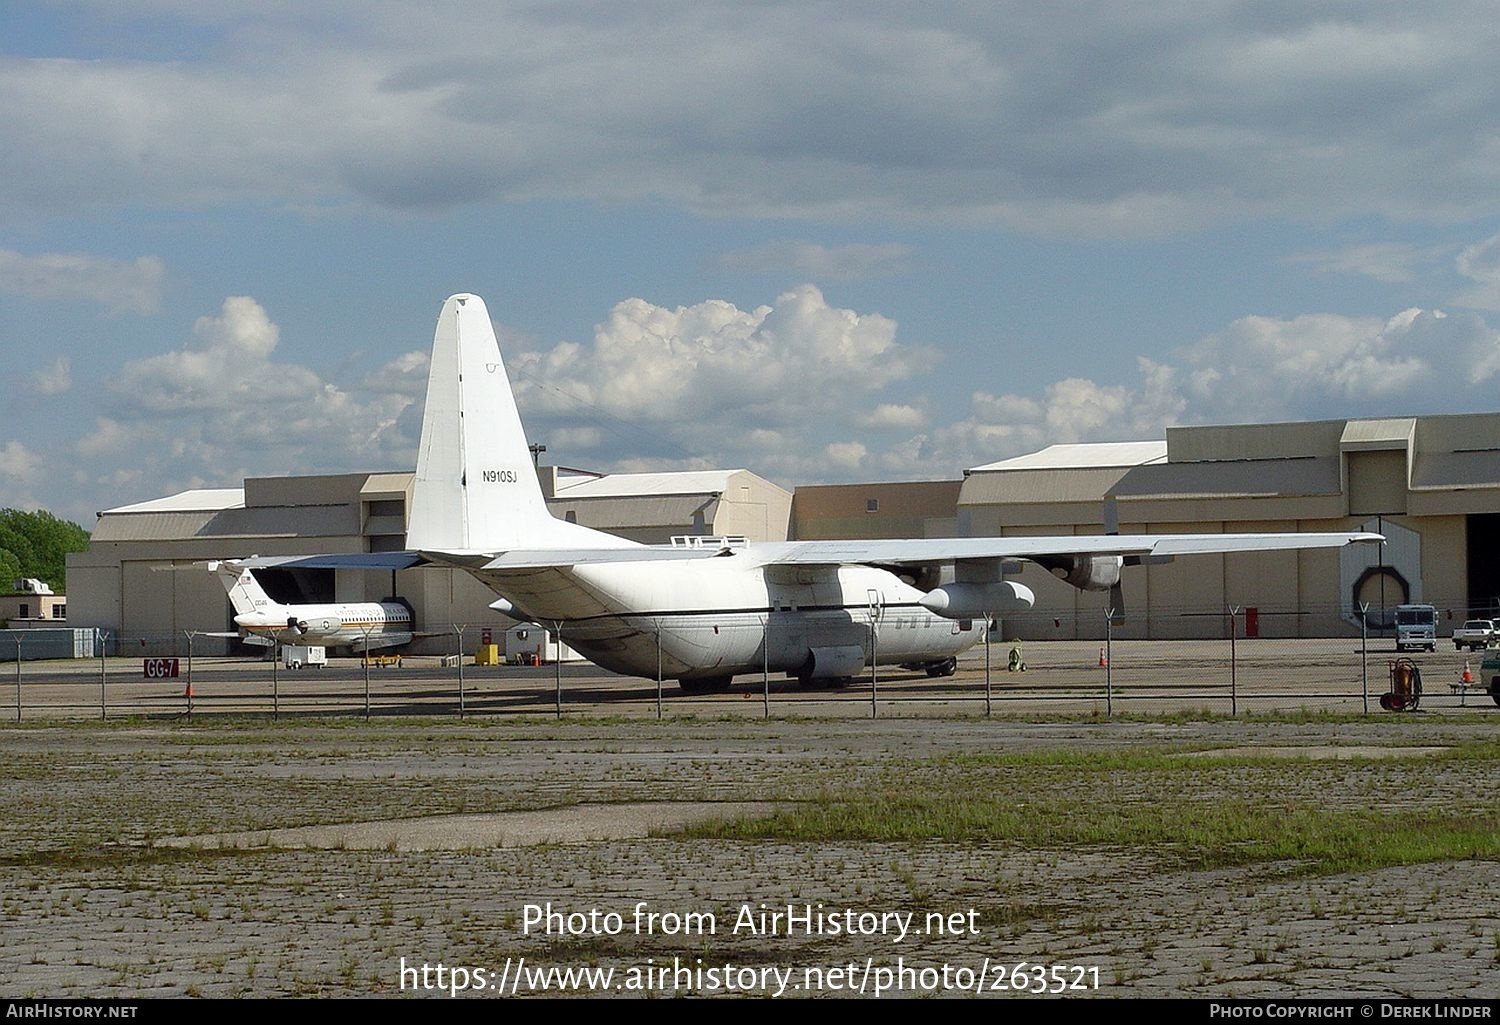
column 36, row 544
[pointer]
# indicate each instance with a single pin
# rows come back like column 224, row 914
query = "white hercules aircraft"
column 703, row 609
column 365, row 625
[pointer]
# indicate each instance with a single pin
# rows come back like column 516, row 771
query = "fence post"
column 275, row 679
column 366, row 632
column 658, row 670
column 557, row 664
column 875, row 607
column 18, row 676
column 1109, row 663
column 765, row 662
column 458, row 631
column 989, row 628
column 187, row 691
column 1364, row 652
column 100, row 635
column 1234, row 694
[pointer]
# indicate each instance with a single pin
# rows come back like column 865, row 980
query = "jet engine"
column 322, row 624
column 1086, row 572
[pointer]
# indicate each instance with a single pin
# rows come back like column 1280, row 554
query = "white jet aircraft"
column 703, row 609
column 365, row 625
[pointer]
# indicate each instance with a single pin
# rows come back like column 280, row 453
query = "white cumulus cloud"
column 713, row 368
column 1262, row 368
column 223, row 406
column 16, row 460
column 775, row 388
column 846, row 455
column 226, row 367
column 1256, row 369
column 891, row 416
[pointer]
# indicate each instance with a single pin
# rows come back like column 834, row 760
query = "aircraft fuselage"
column 337, row 624
column 722, row 616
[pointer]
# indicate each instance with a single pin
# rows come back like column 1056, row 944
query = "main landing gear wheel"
column 947, row 667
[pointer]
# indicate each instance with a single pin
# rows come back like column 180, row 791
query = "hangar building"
column 1430, row 484
column 846, row 512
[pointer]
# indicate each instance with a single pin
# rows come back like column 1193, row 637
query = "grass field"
column 1297, row 856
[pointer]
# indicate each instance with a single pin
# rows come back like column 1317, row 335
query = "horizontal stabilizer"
column 557, row 558
column 345, row 560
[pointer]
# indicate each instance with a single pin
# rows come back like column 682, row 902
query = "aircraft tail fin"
column 245, row 592
column 476, row 486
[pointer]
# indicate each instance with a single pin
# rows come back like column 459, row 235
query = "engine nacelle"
column 318, row 624
column 1087, row 572
column 975, row 601
column 834, row 662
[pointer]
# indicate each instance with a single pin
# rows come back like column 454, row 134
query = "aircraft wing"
column 910, row 552
column 881, row 552
column 927, row 551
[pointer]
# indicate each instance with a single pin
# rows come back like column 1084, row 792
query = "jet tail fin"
column 245, row 592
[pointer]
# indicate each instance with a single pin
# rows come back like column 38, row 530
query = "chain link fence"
column 1224, row 666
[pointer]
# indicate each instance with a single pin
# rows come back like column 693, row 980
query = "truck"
column 295, row 656
column 1489, row 675
column 1474, row 634
column 1416, row 627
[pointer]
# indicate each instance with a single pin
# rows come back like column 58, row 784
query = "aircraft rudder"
column 245, row 592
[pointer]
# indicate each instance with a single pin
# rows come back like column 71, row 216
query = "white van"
column 1416, row 627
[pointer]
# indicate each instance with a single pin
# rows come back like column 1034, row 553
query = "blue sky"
column 826, row 242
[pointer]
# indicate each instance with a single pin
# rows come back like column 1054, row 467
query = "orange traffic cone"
column 187, row 691
column 1468, row 676
column 1103, row 662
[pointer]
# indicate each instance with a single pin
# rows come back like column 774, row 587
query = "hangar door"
column 1483, row 546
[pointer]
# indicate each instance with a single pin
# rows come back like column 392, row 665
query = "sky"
column 824, row 242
